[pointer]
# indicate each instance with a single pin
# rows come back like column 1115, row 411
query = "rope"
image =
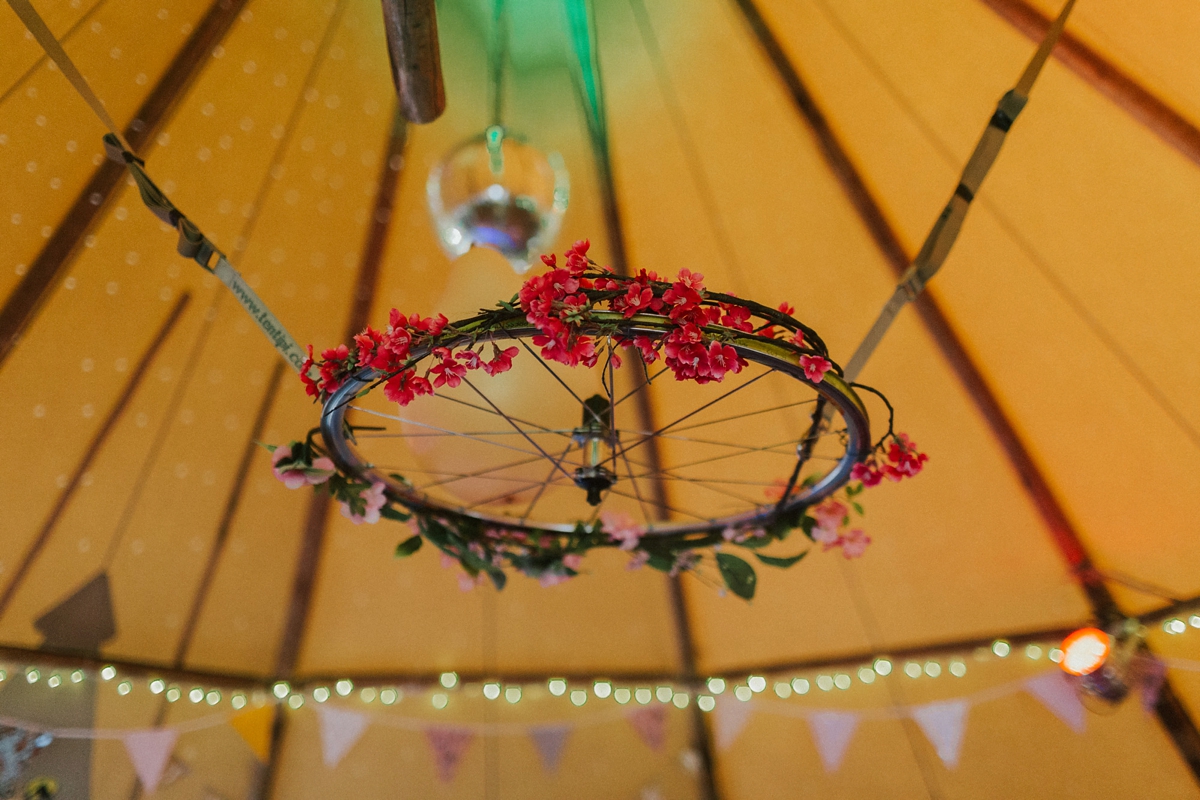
column 193, row 243
column 948, row 225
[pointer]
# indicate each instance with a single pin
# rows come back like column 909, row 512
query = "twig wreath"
column 582, row 315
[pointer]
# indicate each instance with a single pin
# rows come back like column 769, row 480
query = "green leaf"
column 807, row 524
column 738, row 575
column 660, row 562
column 390, row 512
column 270, row 448
column 782, row 563
column 858, row 507
column 755, row 542
column 409, row 546
column 498, row 578
column 853, row 489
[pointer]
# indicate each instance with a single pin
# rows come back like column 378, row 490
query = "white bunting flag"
column 731, row 717
column 149, row 752
column 340, row 730
column 1058, row 696
column 832, row 731
column 943, row 724
column 550, row 741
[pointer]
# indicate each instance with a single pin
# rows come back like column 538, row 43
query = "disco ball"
column 497, row 191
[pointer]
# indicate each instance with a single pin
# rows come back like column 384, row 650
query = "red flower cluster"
column 554, row 304
column 388, row 353
column 903, row 461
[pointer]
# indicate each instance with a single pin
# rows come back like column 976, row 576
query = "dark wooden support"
column 644, row 409
column 26, row 300
column 249, row 450
column 316, row 521
column 412, row 38
column 93, row 449
column 1107, row 78
column 360, row 306
column 1060, row 527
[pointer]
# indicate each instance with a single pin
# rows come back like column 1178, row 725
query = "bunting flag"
column 149, row 752
column 448, row 745
column 831, row 732
column 943, row 724
column 254, row 726
column 1057, row 694
column 730, row 718
column 651, row 725
column 340, row 730
column 550, row 741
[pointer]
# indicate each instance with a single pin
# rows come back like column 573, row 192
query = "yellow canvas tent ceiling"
column 133, row 388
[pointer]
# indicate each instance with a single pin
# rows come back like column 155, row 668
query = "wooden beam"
column 232, row 503
column 412, row 39
column 1060, row 527
column 26, row 300
column 362, row 298
column 99, row 438
column 644, row 410
column 1106, row 77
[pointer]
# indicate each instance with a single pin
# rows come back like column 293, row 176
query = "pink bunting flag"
column 149, row 752
column 943, row 724
column 831, row 732
column 550, row 741
column 340, row 730
column 730, row 718
column 1058, row 696
column 651, row 725
column 448, row 745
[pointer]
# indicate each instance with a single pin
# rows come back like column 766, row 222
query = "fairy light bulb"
column 496, row 191
column 1084, row 651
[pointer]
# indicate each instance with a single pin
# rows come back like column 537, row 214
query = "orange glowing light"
column 1084, row 651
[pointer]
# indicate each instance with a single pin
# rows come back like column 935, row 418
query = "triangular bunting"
column 550, row 741
column 731, row 716
column 149, row 752
column 339, row 731
column 832, row 731
column 254, row 726
column 1057, row 694
column 943, row 724
column 651, row 725
column 448, row 745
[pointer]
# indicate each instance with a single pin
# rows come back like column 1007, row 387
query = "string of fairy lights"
column 579, row 693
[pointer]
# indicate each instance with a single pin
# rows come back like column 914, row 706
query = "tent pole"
column 1171, row 712
column 1106, row 77
column 362, row 298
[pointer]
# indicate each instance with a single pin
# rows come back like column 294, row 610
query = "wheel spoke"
column 450, row 432
column 542, row 488
column 488, row 400
column 709, row 404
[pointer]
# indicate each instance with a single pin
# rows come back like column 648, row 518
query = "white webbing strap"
column 192, row 242
column 37, row 26
column 946, row 229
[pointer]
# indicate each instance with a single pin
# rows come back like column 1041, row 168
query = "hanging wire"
column 498, row 58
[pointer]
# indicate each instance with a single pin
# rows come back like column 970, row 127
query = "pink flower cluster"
column 296, row 474
column 621, row 528
column 832, row 529
column 903, row 461
column 374, row 500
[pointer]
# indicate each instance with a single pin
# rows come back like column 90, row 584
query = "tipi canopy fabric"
column 792, row 150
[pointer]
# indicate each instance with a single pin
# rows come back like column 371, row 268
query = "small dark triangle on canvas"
column 82, row 622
